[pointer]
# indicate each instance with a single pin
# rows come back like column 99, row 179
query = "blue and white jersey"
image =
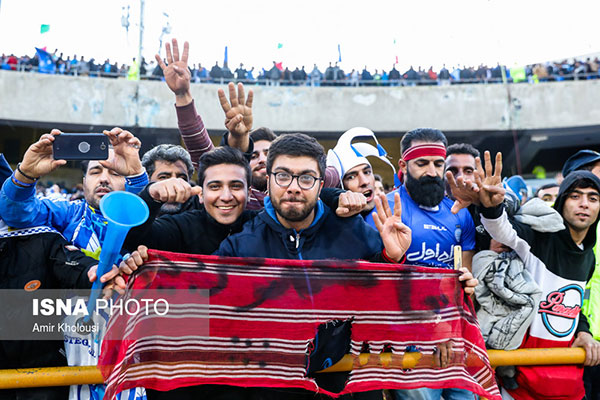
column 435, row 231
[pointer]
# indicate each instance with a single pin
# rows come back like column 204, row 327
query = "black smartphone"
column 80, row 146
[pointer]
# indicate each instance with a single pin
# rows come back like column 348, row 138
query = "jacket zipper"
column 297, row 244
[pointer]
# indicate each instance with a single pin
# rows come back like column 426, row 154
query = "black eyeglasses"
column 305, row 181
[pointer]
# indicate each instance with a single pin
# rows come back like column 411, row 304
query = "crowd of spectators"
column 263, row 195
column 332, row 75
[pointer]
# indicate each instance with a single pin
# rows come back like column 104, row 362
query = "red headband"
column 421, row 150
column 424, row 150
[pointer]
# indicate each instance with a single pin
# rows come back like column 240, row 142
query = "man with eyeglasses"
column 296, row 225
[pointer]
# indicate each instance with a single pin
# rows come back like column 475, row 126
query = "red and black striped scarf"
column 258, row 326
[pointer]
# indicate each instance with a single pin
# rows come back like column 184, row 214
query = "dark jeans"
column 591, row 382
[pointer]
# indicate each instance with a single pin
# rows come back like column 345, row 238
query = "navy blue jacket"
column 328, row 237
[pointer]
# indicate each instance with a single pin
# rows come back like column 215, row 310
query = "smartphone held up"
column 80, row 146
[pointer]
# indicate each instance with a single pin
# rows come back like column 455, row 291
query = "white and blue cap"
column 347, row 155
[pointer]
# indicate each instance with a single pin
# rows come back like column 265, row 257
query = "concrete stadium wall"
column 149, row 104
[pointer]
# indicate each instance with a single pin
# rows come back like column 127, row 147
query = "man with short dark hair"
column 436, row 231
column 262, row 138
column 548, row 192
column 223, row 176
column 460, row 161
column 80, row 222
column 170, row 161
column 295, row 223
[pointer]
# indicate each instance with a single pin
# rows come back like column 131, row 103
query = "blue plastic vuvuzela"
column 123, row 210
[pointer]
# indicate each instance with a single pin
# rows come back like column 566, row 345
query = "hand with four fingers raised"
column 491, row 192
column 238, row 114
column 176, row 72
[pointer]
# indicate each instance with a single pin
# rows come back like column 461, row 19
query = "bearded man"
column 425, row 209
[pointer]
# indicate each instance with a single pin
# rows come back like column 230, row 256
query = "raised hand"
column 491, row 192
column 238, row 110
column 176, row 73
column 125, row 158
column 465, row 192
column 173, row 190
column 350, row 204
column 395, row 235
column 38, row 160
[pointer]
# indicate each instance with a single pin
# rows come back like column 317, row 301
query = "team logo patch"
column 457, row 233
column 560, row 310
column 32, row 285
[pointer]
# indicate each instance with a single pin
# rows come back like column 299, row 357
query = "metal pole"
column 142, row 3
column 64, row 376
column 139, row 60
column 42, row 377
column 554, row 356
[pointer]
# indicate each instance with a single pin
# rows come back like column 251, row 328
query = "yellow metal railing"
column 63, row 376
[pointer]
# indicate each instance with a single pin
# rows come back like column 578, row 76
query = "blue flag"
column 339, row 53
column 225, row 60
column 46, row 63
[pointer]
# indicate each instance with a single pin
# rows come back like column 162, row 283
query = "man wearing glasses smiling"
column 295, row 224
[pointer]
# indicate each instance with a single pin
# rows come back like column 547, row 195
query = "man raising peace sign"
column 296, row 225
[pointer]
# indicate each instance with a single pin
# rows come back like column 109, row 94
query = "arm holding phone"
column 39, row 158
column 20, row 208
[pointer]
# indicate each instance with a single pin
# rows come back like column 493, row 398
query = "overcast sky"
column 371, row 33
